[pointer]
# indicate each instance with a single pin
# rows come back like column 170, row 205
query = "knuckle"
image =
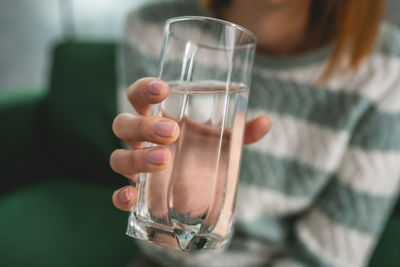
column 115, row 124
column 131, row 92
column 133, row 96
column 113, row 159
column 118, row 122
column 133, row 87
column 124, row 126
column 114, row 199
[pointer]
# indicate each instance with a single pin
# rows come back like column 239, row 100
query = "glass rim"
column 252, row 36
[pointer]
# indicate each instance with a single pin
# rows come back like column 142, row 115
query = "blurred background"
column 29, row 28
column 57, row 63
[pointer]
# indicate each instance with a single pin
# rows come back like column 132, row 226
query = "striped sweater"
column 318, row 189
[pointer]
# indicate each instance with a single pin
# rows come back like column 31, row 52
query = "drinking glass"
column 189, row 206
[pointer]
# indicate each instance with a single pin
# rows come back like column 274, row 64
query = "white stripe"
column 333, row 242
column 372, row 172
column 297, row 139
column 378, row 79
column 254, row 202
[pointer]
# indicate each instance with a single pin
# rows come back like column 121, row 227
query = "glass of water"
column 189, row 206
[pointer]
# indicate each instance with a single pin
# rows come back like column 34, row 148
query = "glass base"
column 186, row 238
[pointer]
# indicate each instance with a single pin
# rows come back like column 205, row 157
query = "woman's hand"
column 135, row 129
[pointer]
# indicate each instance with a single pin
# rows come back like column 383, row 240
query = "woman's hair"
column 352, row 25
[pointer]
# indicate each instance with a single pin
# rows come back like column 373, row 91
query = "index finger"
column 145, row 92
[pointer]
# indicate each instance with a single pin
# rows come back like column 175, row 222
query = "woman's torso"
column 282, row 175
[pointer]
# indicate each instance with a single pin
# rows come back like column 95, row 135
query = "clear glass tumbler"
column 189, row 206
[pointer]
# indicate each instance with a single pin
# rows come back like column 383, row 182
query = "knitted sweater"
column 318, row 189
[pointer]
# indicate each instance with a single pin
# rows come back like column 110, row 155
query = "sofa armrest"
column 19, row 117
column 81, row 108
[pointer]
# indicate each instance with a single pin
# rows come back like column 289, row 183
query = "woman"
column 317, row 190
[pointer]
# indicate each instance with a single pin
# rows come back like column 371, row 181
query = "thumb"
column 256, row 129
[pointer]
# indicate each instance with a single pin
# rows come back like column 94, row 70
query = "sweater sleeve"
column 343, row 227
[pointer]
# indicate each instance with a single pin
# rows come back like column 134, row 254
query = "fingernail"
column 124, row 196
column 165, row 128
column 156, row 156
column 156, row 87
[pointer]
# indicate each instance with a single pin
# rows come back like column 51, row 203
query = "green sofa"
column 56, row 183
column 55, row 198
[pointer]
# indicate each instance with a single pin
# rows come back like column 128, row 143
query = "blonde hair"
column 352, row 25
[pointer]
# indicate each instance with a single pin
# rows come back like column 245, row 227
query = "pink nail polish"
column 156, row 156
column 124, row 196
column 156, row 87
column 165, row 128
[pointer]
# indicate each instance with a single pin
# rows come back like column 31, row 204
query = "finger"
column 145, row 92
column 134, row 129
column 130, row 162
column 256, row 129
column 124, row 198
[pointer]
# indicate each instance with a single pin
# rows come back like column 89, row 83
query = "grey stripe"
column 333, row 109
column 286, row 176
column 356, row 210
column 378, row 131
column 388, row 42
